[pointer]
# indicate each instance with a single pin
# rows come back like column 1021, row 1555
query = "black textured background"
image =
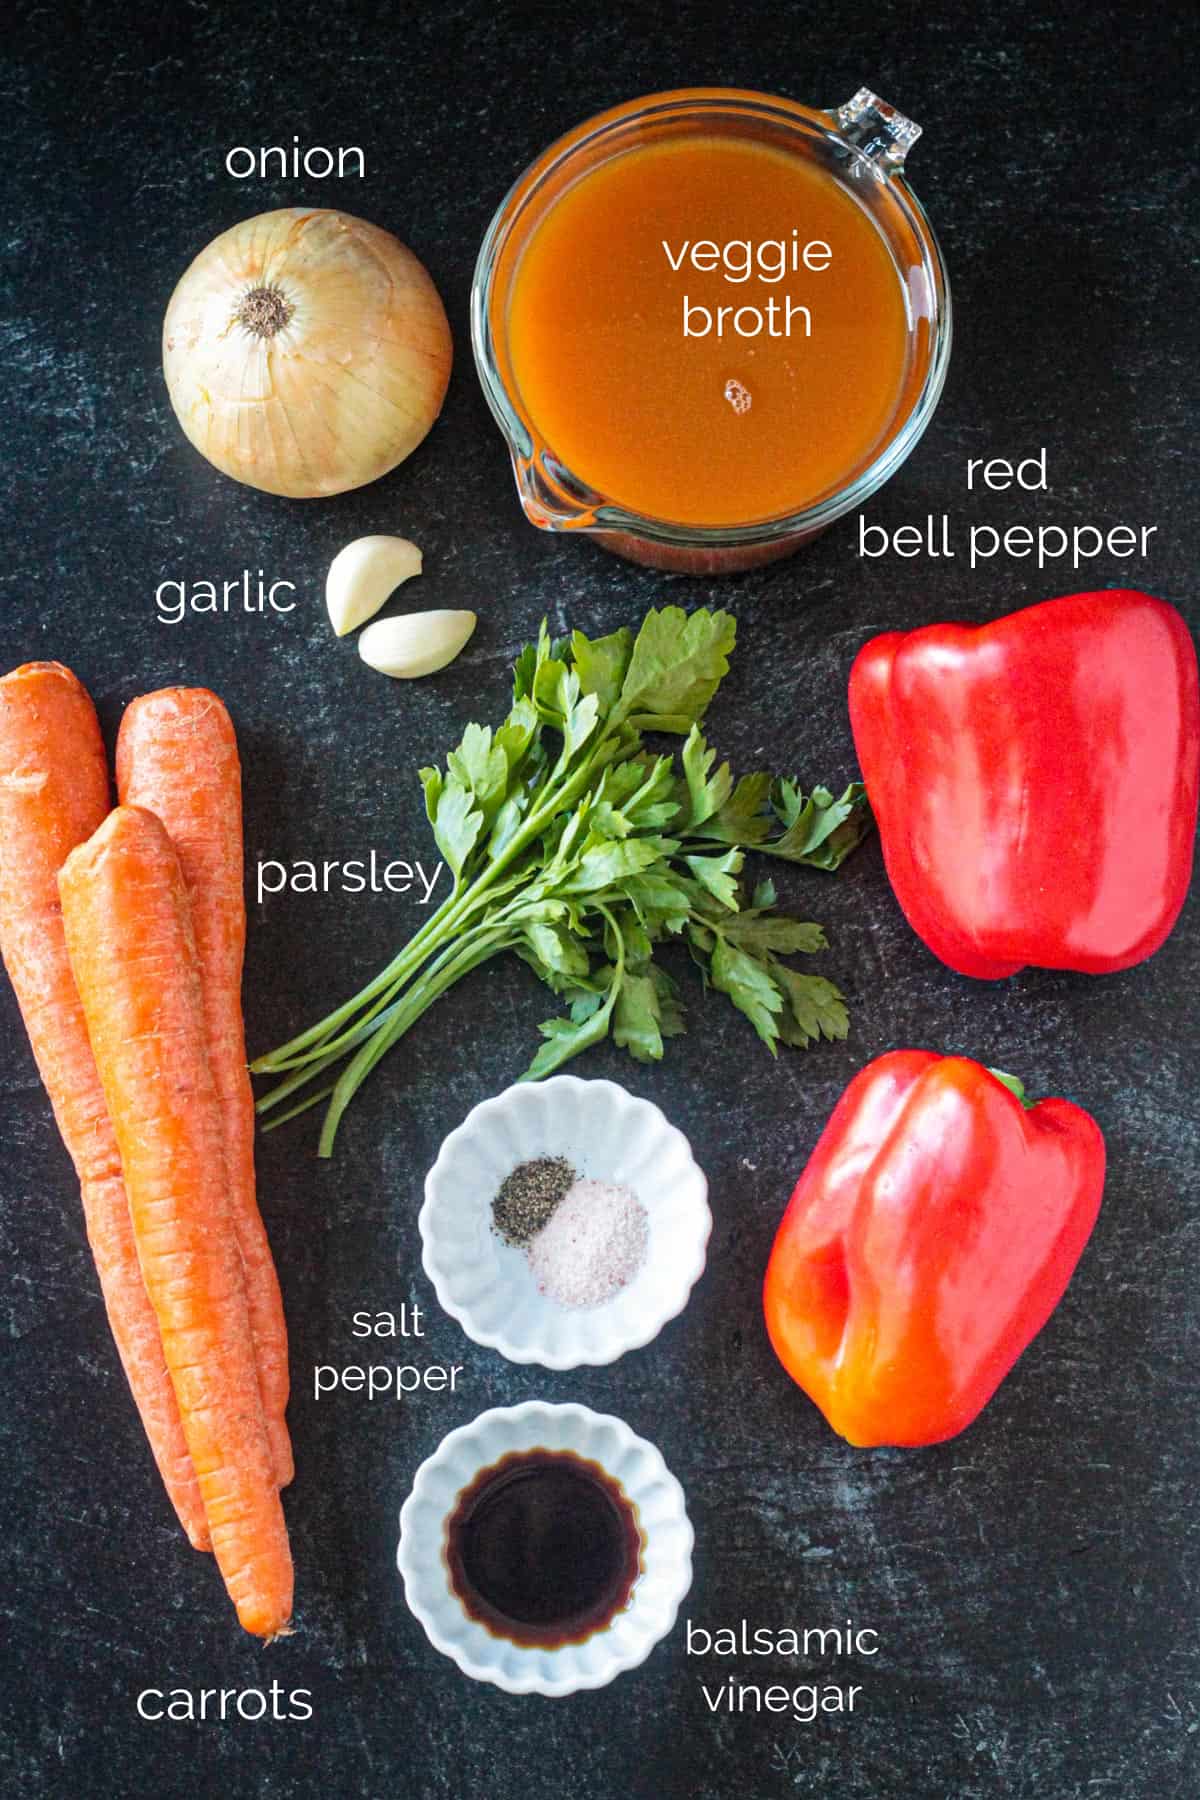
column 1033, row 1583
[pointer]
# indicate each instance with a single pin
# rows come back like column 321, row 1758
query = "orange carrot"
column 177, row 756
column 53, row 795
column 133, row 954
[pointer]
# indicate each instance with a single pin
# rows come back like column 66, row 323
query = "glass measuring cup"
column 861, row 146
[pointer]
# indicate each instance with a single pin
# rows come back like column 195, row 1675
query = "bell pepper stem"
column 1015, row 1085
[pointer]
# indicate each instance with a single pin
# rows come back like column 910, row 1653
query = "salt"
column 592, row 1246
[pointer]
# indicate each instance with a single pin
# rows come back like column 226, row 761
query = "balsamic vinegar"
column 544, row 1548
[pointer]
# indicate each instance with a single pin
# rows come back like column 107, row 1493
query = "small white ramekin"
column 666, row 1553
column 606, row 1134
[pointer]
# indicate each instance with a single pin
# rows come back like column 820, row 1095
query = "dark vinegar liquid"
column 544, row 1548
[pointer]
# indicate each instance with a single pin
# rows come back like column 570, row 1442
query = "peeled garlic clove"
column 363, row 575
column 416, row 643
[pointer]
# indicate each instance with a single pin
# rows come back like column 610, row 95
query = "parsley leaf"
column 815, row 1008
column 718, row 874
column 749, row 984
column 819, row 830
column 706, row 795
column 601, row 664
column 566, row 1038
column 636, row 1019
column 456, row 824
column 677, row 664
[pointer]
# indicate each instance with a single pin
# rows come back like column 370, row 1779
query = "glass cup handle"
column 876, row 131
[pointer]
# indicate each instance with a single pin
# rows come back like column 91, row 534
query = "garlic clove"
column 415, row 643
column 363, row 574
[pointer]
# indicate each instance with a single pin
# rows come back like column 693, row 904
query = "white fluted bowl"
column 666, row 1548
column 606, row 1134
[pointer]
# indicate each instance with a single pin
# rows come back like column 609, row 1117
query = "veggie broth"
column 729, row 424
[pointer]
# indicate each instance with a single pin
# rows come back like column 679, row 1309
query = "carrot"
column 177, row 756
column 53, row 795
column 133, row 954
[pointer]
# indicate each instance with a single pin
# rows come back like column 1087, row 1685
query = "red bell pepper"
column 1035, row 780
column 927, row 1242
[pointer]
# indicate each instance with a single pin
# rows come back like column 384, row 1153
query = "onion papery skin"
column 344, row 390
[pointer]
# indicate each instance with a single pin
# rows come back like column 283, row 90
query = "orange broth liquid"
column 639, row 412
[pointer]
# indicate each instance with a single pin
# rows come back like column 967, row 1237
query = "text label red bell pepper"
column 928, row 1240
column 1035, row 780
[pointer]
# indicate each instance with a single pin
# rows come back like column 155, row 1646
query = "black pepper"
column 529, row 1196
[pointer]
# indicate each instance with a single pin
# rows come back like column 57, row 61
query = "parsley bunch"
column 578, row 849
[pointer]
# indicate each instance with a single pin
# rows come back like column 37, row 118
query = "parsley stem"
column 289, row 1054
column 466, row 898
column 455, row 962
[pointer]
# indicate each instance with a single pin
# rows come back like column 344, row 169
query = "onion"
column 306, row 352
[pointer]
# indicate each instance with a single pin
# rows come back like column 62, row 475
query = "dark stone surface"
column 1034, row 1582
